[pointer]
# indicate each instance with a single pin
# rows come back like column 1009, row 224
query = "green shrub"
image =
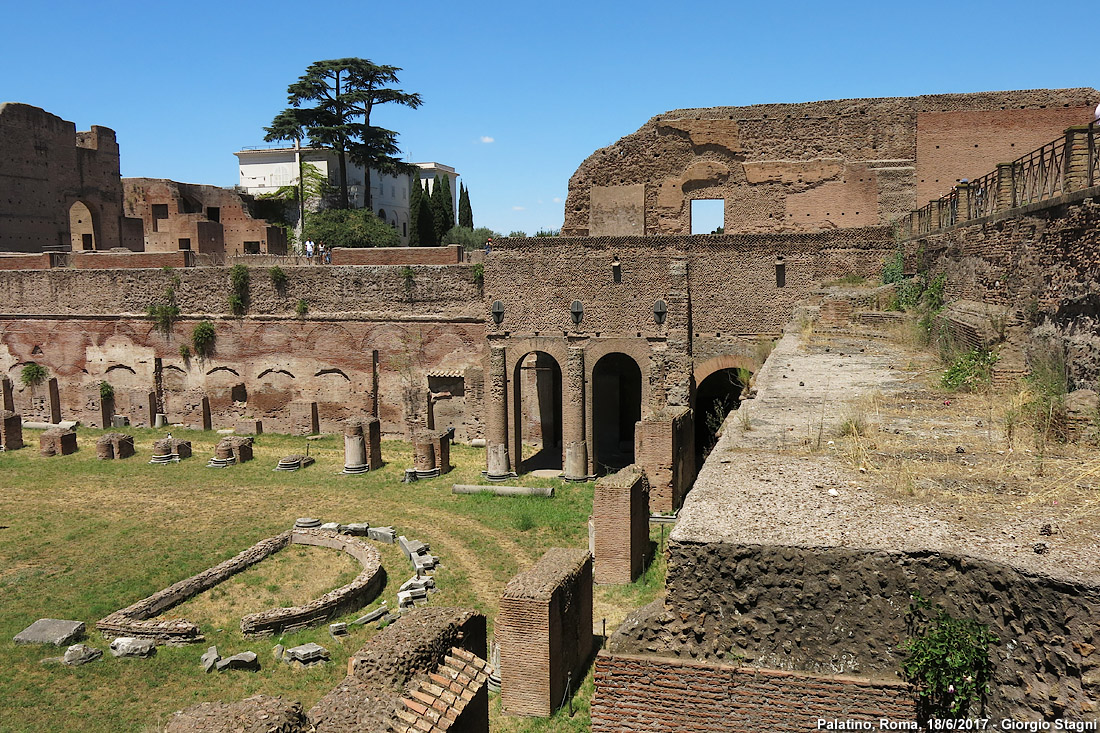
column 910, row 292
column 238, row 289
column 477, row 274
column 278, row 277
column 947, row 659
column 106, row 391
column 236, row 304
column 970, row 371
column 409, row 276
column 164, row 312
column 33, row 374
column 203, row 337
column 302, row 308
column 185, row 352
column 350, row 228
column 893, row 269
column 934, row 293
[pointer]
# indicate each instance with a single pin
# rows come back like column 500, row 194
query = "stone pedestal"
column 170, row 450
column 57, row 441
column 114, row 446
column 11, row 430
column 424, row 456
column 620, row 517
column 249, row 427
column 355, row 448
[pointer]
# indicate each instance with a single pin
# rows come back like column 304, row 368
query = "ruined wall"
column 1043, row 263
column 620, row 518
column 798, row 608
column 203, row 219
column 46, row 167
column 88, row 326
column 810, row 166
column 662, row 695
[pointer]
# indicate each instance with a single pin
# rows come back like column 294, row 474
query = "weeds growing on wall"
column 302, row 307
column 477, row 274
column 946, row 660
column 278, row 278
column 1048, row 383
column 408, row 275
column 970, row 371
column 164, row 312
column 106, row 391
column 33, row 374
column 203, row 337
column 238, row 289
column 893, row 269
column 185, row 352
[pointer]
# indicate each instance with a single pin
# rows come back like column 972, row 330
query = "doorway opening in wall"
column 715, row 398
column 252, row 248
column 82, row 227
column 214, row 213
column 616, row 407
column 708, row 216
column 537, row 402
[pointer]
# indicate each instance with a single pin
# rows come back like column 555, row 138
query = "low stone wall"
column 130, row 260
column 356, row 594
column 842, row 611
column 41, row 261
column 445, row 255
column 139, row 619
column 635, row 692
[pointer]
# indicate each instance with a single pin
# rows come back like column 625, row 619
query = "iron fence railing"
column 948, row 209
column 983, row 196
column 1039, row 175
column 924, row 219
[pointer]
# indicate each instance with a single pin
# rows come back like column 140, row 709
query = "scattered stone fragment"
column 358, row 529
column 307, row 654
column 79, row 654
column 960, row 449
column 1046, row 530
column 388, row 619
column 210, row 658
column 372, row 616
column 331, row 526
column 128, row 646
column 51, row 631
column 338, row 629
column 834, row 492
column 244, row 660
column 1041, row 548
column 278, row 651
column 307, row 523
column 382, row 534
column 424, row 581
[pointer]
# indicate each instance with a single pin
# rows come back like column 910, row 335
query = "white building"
column 264, row 170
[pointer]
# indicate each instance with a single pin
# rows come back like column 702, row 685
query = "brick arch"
column 726, row 361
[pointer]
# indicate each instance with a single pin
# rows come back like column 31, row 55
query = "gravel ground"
column 785, row 480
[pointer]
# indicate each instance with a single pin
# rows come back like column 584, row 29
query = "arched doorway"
column 537, row 401
column 81, row 227
column 715, row 396
column 616, row 408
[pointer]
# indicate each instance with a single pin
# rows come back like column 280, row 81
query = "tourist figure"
column 488, row 246
column 309, row 248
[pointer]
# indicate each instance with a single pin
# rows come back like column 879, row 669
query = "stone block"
column 79, row 654
column 620, row 515
column 304, row 419
column 244, row 660
column 11, row 430
column 128, row 646
column 249, row 427
column 382, row 534
column 57, row 441
column 210, row 659
column 58, row 632
column 114, row 446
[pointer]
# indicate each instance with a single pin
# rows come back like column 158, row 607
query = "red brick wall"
column 636, row 693
column 128, row 260
column 25, row 262
column 448, row 255
column 620, row 511
column 664, row 448
column 969, row 144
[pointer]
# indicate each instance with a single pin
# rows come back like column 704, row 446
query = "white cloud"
column 486, row 139
column 557, row 199
column 517, row 208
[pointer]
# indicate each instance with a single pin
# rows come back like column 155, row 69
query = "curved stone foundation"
column 350, row 597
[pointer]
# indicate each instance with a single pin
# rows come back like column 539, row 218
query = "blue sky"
column 516, row 95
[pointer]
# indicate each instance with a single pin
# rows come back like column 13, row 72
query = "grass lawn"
column 80, row 538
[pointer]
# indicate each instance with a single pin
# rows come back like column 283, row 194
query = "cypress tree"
column 439, row 210
column 415, row 194
column 426, row 222
column 465, row 213
column 448, row 203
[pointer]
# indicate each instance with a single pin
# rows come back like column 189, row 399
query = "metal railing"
column 948, row 209
column 924, row 218
column 1039, row 175
column 1094, row 154
column 983, row 196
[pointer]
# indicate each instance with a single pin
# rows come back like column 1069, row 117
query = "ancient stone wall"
column 199, row 218
column 665, row 450
column 810, row 166
column 1041, row 262
column 56, row 184
column 807, row 609
column 89, row 326
column 544, row 629
column 446, row 255
column 635, row 692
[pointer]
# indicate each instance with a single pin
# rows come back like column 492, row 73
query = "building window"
column 185, row 244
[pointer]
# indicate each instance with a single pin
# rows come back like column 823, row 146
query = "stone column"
column 355, row 449
column 962, row 213
column 573, row 433
column 206, row 422
column 55, row 401
column 7, row 397
column 151, row 410
column 498, row 467
column 374, row 382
